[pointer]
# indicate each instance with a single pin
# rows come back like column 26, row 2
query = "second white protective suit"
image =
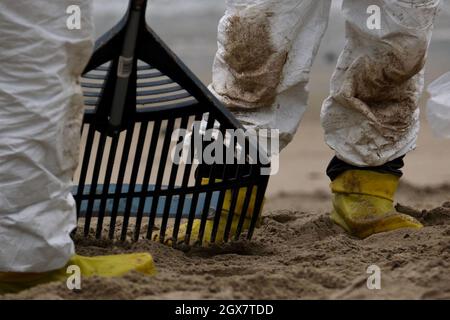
column 438, row 110
column 266, row 49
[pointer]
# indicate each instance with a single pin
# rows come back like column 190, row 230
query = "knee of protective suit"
column 248, row 64
column 401, row 37
column 408, row 31
column 265, row 47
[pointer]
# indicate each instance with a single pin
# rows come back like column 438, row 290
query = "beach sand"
column 297, row 253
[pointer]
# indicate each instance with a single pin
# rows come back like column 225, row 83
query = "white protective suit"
column 438, row 110
column 41, row 109
column 265, row 52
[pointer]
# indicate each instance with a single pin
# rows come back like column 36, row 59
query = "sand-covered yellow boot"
column 222, row 222
column 363, row 203
column 103, row 266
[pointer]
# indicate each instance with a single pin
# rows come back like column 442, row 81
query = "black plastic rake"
column 138, row 95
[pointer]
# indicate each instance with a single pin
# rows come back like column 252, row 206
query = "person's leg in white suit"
column 371, row 118
column 266, row 49
column 261, row 70
column 41, row 109
column 265, row 52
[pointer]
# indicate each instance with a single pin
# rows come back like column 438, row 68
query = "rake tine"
column 141, row 67
column 92, row 85
column 172, row 180
column 218, row 210
column 103, row 68
column 184, row 184
column 118, row 190
column 84, row 166
column 178, row 216
column 195, row 196
column 154, row 83
column 211, row 181
column 95, row 76
column 145, row 182
column 102, row 76
column 256, row 209
column 174, row 97
column 177, row 105
column 82, row 129
column 144, row 67
column 234, row 198
column 149, row 75
column 134, row 174
column 205, row 211
column 106, row 184
column 245, row 206
column 192, row 210
column 158, row 91
column 94, row 183
column 220, row 201
column 91, row 103
column 96, row 94
column 159, row 177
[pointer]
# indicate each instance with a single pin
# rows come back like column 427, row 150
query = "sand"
column 294, row 255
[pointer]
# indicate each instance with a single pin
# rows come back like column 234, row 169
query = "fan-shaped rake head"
column 142, row 104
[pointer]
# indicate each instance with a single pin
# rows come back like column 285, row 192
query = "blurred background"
column 189, row 27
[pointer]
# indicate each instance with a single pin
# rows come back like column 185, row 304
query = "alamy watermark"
column 73, row 21
column 231, row 146
column 374, row 20
column 374, row 280
column 74, row 279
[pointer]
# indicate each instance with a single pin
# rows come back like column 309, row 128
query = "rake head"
column 140, row 97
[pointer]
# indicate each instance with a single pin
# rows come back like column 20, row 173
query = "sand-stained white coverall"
column 266, row 49
column 438, row 108
column 41, row 108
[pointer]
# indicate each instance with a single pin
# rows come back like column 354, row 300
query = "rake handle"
column 125, row 64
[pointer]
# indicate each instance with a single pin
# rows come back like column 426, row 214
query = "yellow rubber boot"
column 363, row 203
column 103, row 266
column 222, row 222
